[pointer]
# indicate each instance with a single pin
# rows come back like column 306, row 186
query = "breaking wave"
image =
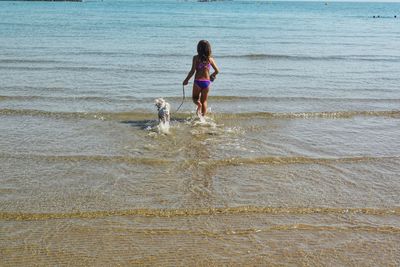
column 211, row 163
column 131, row 115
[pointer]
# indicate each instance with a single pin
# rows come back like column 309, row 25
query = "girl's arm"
column 215, row 67
column 191, row 72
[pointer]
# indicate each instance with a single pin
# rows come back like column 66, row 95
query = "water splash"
column 142, row 115
column 198, row 120
column 163, row 127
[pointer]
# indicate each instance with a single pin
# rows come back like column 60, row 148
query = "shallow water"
column 296, row 164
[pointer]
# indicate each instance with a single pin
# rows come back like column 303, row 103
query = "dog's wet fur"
column 163, row 108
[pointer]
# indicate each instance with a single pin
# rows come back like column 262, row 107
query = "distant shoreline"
column 46, row 0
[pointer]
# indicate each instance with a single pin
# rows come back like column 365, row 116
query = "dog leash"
column 183, row 98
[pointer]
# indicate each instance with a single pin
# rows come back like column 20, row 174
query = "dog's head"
column 159, row 103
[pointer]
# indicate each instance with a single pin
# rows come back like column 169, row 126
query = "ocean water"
column 297, row 162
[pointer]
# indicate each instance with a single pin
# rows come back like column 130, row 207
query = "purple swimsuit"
column 203, row 83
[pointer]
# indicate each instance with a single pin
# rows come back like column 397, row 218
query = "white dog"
column 163, row 110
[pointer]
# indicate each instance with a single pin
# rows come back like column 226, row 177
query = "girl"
column 201, row 65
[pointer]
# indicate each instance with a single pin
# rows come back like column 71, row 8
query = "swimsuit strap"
column 202, row 65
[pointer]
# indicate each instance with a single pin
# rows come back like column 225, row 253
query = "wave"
column 120, row 116
column 310, row 115
column 91, row 158
column 217, row 98
column 72, row 98
column 296, row 160
column 240, row 210
column 31, row 61
column 88, row 69
column 263, row 56
column 129, row 115
column 251, row 231
column 62, row 68
column 103, row 53
column 296, row 98
column 251, row 56
column 31, row 89
column 211, row 163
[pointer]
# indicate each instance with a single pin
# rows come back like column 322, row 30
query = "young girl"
column 201, row 65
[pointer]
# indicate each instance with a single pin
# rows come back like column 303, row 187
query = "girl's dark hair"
column 204, row 50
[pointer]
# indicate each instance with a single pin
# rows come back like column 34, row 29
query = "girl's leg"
column 203, row 101
column 196, row 97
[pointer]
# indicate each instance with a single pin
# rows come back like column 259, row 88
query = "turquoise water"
column 297, row 163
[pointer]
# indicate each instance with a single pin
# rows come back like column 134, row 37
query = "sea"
column 297, row 162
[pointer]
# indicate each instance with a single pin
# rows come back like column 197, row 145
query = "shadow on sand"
column 145, row 124
column 142, row 124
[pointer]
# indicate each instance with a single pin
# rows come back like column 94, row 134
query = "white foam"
column 163, row 127
column 160, row 128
